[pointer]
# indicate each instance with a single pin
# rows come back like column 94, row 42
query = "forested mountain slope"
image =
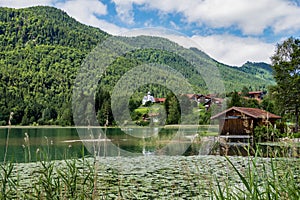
column 42, row 48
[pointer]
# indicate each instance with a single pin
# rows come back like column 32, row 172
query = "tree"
column 245, row 91
column 250, row 103
column 235, row 100
column 103, row 107
column 286, row 66
column 268, row 104
column 172, row 109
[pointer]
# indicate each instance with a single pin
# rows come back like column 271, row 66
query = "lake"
column 24, row 144
column 135, row 173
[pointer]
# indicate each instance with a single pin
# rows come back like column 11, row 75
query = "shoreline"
column 173, row 126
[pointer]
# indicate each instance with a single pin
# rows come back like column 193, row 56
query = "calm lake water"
column 62, row 143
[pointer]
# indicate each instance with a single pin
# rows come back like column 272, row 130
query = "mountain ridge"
column 42, row 49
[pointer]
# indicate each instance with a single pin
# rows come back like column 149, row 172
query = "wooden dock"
column 235, row 144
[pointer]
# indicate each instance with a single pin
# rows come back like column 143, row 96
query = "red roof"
column 210, row 95
column 218, row 99
column 190, row 95
column 160, row 99
column 252, row 112
column 255, row 92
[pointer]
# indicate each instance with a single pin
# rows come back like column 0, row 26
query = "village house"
column 205, row 100
column 159, row 100
column 191, row 96
column 213, row 99
column 257, row 95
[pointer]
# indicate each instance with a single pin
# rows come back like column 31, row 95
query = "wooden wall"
column 237, row 127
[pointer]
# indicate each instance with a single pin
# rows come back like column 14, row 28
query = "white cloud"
column 125, row 12
column 252, row 17
column 86, row 12
column 174, row 25
column 109, row 27
column 227, row 49
column 83, row 11
column 288, row 22
column 24, row 4
column 234, row 50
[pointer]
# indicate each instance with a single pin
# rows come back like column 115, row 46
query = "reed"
column 8, row 184
column 276, row 179
column 7, row 137
column 26, row 148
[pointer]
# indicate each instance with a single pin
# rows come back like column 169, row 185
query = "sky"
column 230, row 31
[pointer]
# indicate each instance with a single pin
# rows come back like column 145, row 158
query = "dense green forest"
column 42, row 49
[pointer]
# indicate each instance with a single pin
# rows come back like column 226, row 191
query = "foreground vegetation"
column 199, row 177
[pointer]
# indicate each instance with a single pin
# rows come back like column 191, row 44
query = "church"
column 147, row 98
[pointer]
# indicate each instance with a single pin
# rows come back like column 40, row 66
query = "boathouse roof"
column 252, row 112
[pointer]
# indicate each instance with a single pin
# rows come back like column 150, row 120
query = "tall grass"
column 67, row 179
column 8, row 134
column 8, row 184
column 278, row 178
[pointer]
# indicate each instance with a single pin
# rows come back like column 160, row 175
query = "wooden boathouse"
column 237, row 124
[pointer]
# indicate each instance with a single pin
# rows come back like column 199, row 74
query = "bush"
column 35, row 124
column 148, row 104
column 135, row 115
column 266, row 133
column 282, row 127
column 296, row 135
column 41, row 122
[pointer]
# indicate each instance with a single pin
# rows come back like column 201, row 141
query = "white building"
column 147, row 98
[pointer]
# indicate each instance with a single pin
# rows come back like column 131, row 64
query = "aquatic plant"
column 26, row 147
column 8, row 133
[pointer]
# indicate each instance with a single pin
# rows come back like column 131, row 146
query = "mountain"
column 45, row 26
column 255, row 76
column 260, row 70
column 42, row 49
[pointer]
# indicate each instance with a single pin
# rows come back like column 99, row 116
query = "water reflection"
column 62, row 143
column 137, row 141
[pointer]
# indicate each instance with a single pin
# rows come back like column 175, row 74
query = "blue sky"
column 230, row 31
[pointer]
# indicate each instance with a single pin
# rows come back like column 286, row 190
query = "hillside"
column 42, row 48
